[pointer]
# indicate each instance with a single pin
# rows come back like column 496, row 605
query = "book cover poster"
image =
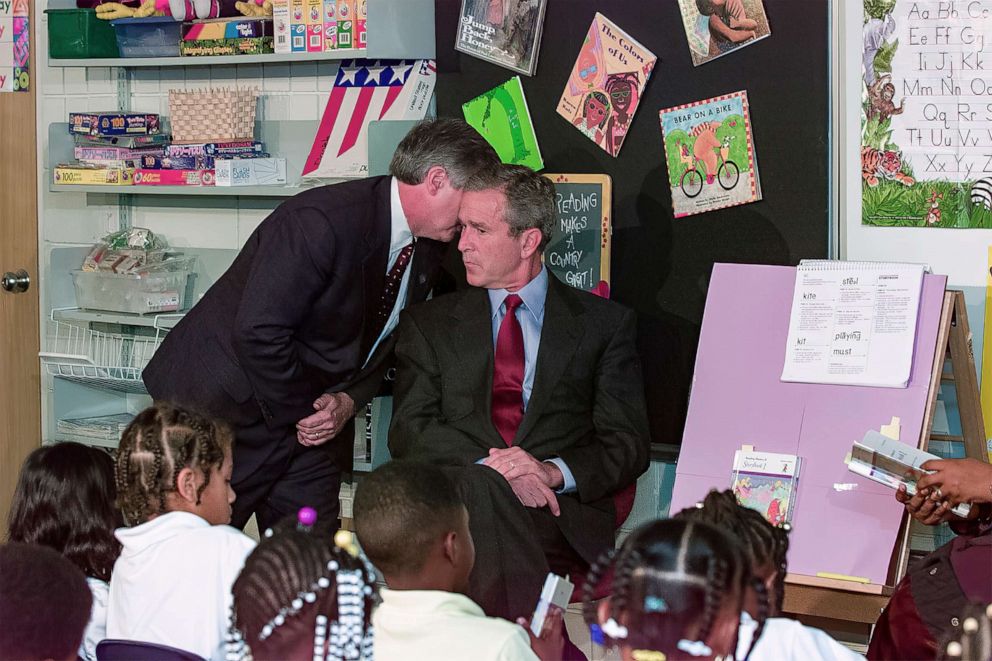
column 605, row 85
column 502, row 117
column 717, row 27
column 504, row 32
column 709, row 149
column 766, row 482
column 366, row 91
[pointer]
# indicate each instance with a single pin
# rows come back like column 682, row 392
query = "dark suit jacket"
column 587, row 404
column 290, row 319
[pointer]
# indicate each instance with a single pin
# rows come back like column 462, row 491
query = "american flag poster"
column 366, row 91
column 15, row 35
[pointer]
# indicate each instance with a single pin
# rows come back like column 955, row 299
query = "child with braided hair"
column 765, row 547
column 172, row 582
column 303, row 596
column 678, row 591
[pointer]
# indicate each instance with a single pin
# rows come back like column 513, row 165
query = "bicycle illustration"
column 727, row 174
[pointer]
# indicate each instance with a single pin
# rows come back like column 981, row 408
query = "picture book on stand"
column 502, row 118
column 766, row 482
column 606, row 84
column 717, row 27
column 504, row 32
column 709, row 149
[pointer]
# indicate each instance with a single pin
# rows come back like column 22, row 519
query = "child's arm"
column 725, row 32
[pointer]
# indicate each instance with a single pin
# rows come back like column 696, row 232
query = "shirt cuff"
column 568, row 486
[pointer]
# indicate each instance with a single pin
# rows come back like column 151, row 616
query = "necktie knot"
column 512, row 302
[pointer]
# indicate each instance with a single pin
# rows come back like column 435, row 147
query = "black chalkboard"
column 661, row 265
column 579, row 250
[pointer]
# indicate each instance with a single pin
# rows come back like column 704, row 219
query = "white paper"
column 853, row 323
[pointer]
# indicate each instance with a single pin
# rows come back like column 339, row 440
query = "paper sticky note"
column 891, row 430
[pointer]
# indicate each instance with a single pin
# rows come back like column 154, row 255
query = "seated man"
column 538, row 413
column 414, row 528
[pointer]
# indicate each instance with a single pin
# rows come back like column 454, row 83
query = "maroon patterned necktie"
column 508, row 373
column 392, row 289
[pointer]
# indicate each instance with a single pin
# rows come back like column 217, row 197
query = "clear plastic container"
column 155, row 36
column 154, row 292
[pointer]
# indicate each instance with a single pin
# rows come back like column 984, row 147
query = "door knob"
column 16, row 282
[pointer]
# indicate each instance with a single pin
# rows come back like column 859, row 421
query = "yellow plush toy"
column 181, row 10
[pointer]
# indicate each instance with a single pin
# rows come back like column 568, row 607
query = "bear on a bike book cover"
column 709, row 149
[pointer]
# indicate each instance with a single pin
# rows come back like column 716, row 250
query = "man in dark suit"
column 539, row 412
column 296, row 333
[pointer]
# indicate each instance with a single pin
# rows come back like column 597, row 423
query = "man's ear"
column 530, row 243
column 436, row 179
column 186, row 485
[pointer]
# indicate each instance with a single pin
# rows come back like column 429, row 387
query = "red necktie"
column 508, row 373
column 392, row 289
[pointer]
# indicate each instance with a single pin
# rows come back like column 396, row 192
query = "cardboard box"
column 146, row 177
column 241, row 46
column 346, row 23
column 297, row 26
column 227, row 28
column 113, row 153
column 280, row 25
column 113, row 123
column 330, row 24
column 250, row 171
column 78, row 174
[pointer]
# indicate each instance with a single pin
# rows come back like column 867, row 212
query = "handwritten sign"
column 941, row 100
column 579, row 250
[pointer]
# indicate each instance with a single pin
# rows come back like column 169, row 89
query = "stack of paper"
column 853, row 323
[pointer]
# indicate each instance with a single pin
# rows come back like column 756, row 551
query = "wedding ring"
column 511, row 465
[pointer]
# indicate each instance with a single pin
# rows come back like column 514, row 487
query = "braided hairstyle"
column 671, row 581
column 160, row 442
column 765, row 546
column 290, row 581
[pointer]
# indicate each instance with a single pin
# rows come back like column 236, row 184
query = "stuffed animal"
column 181, row 10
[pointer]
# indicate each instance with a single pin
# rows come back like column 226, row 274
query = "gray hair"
column 530, row 198
column 450, row 143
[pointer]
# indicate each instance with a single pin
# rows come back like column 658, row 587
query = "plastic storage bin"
column 155, row 36
column 78, row 33
column 158, row 291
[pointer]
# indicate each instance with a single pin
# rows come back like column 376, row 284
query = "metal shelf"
column 162, row 321
column 209, row 60
column 215, row 191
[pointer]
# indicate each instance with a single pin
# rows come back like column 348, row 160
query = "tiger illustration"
column 886, row 164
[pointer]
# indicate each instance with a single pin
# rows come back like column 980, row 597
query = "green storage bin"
column 78, row 33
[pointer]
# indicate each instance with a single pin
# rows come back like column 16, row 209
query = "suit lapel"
column 376, row 250
column 560, row 335
column 472, row 342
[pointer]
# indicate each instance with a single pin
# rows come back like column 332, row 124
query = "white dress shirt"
column 400, row 237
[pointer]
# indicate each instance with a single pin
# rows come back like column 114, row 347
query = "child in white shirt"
column 765, row 547
column 172, row 582
column 414, row 528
